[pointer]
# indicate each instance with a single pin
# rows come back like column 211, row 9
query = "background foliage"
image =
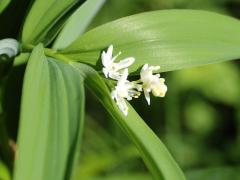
column 199, row 120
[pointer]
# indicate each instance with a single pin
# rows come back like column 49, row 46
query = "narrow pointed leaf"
column 78, row 23
column 173, row 39
column 51, row 119
column 152, row 150
column 43, row 15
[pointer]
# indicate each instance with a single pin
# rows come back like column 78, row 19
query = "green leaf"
column 3, row 5
column 4, row 175
column 51, row 119
column 173, row 39
column 132, row 176
column 78, row 23
column 42, row 17
column 214, row 173
column 152, row 150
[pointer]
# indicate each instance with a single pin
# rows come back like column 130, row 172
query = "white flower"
column 125, row 90
column 152, row 82
column 112, row 69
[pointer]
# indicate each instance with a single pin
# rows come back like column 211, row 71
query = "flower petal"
column 154, row 68
column 123, row 78
column 147, row 96
column 105, row 72
column 145, row 67
column 125, row 63
column 110, row 51
column 114, row 94
column 114, row 75
column 107, row 56
column 122, row 105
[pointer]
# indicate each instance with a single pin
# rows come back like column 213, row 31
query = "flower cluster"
column 125, row 89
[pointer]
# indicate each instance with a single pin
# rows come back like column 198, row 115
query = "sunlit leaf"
column 51, row 119
column 78, row 23
column 173, row 39
column 154, row 153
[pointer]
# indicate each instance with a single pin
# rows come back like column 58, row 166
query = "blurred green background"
column 198, row 120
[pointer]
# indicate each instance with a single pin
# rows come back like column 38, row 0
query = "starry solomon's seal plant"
column 126, row 89
column 63, row 60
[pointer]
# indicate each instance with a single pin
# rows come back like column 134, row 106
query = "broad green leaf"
column 51, row 119
column 78, row 23
column 3, row 4
column 173, row 39
column 152, row 150
column 42, row 17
